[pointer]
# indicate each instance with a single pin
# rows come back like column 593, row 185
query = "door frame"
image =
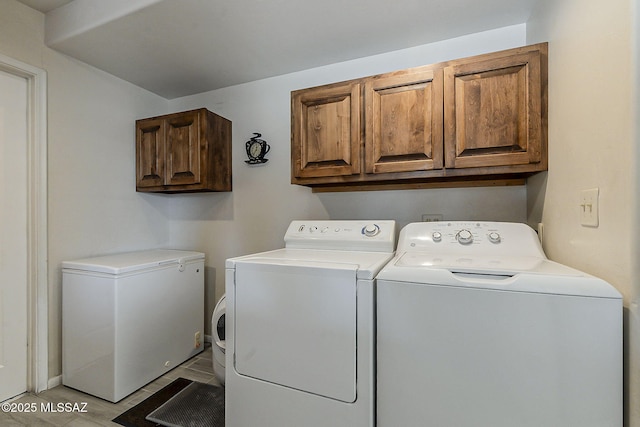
column 37, row 281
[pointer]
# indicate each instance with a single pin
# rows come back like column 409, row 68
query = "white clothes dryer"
column 300, row 327
column 218, row 344
column 477, row 328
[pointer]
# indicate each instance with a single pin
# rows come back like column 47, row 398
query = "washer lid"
column 131, row 261
column 482, row 264
column 517, row 274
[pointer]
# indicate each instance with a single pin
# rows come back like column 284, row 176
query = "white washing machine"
column 300, row 327
column 476, row 328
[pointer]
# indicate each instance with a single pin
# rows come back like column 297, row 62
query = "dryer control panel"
column 471, row 237
column 355, row 235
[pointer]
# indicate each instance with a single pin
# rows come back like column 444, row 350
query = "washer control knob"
column 313, row 229
column 436, row 236
column 464, row 237
column 494, row 237
column 370, row 230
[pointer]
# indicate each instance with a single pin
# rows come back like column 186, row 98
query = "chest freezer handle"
column 180, row 262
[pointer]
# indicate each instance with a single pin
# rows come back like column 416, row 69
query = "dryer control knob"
column 370, row 230
column 494, row 237
column 436, row 236
column 464, row 237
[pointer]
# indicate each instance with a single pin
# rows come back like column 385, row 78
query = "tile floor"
column 100, row 412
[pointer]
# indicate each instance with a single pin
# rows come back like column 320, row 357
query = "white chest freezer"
column 129, row 318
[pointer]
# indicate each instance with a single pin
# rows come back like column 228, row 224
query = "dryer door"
column 295, row 325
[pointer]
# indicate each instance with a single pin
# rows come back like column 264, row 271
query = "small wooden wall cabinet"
column 188, row 151
column 474, row 121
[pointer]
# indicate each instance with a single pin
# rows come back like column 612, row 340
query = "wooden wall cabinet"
column 473, row 121
column 188, row 151
column 403, row 122
column 494, row 110
column 326, row 122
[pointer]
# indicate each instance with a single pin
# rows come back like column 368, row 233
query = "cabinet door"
column 325, row 138
column 183, row 156
column 403, row 121
column 150, row 153
column 493, row 110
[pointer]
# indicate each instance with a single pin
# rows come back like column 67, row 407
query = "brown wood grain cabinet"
column 494, row 107
column 326, row 122
column 473, row 121
column 188, row 151
column 403, row 121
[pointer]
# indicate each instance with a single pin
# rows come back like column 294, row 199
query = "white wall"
column 93, row 206
column 591, row 144
column 255, row 215
column 590, row 132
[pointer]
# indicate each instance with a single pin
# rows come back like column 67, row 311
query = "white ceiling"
column 45, row 6
column 182, row 47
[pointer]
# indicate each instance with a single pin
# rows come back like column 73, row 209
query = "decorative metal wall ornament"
column 256, row 150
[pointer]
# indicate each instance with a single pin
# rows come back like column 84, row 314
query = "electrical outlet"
column 432, row 217
column 197, row 341
column 589, row 207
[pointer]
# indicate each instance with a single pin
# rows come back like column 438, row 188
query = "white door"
column 13, row 235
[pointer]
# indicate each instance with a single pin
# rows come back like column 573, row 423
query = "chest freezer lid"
column 131, row 261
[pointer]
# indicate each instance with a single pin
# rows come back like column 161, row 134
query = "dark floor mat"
column 196, row 405
column 135, row 417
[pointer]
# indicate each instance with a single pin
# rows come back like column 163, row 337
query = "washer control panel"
column 342, row 235
column 470, row 237
column 466, row 237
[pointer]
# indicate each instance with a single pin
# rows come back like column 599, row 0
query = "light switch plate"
column 589, row 207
